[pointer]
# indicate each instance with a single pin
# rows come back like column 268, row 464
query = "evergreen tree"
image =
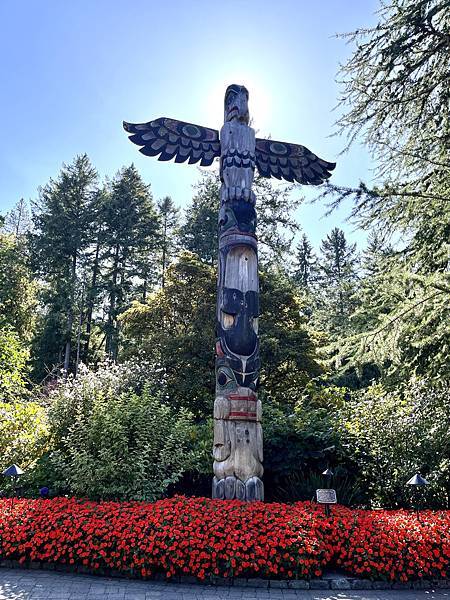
column 129, row 240
column 18, row 220
column 338, row 262
column 62, row 219
column 395, row 95
column 274, row 208
column 305, row 265
column 169, row 217
column 17, row 288
column 198, row 234
column 92, row 276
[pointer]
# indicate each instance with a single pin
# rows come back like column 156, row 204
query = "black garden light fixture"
column 328, row 474
column 418, row 482
column 14, row 472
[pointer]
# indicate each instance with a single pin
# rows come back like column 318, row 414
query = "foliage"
column 23, row 432
column 13, row 365
column 393, row 435
column 175, row 330
column 130, row 228
column 338, row 262
column 306, row 266
column 17, row 289
column 287, row 343
column 274, row 207
column 113, row 443
column 17, row 220
column 62, row 219
column 210, row 538
column 276, row 225
column 198, row 234
column 169, row 216
column 94, row 249
column 402, row 324
column 395, row 95
column 395, row 85
column 299, row 445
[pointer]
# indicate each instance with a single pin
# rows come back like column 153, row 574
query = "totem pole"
column 238, row 441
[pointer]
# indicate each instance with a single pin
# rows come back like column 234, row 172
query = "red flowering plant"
column 201, row 537
column 398, row 545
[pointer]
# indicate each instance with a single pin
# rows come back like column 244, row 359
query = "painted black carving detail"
column 291, row 162
column 241, row 337
column 170, row 138
column 245, row 372
column 237, row 215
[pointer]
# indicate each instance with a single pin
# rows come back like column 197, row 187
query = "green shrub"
column 116, row 443
column 13, row 365
column 393, row 435
column 300, row 445
column 23, row 433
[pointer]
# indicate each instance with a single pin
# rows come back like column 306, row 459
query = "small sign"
column 326, row 496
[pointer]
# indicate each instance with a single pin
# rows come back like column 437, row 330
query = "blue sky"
column 71, row 71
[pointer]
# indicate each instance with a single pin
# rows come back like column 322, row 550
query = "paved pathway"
column 18, row 584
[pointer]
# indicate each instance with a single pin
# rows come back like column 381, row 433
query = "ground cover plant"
column 204, row 538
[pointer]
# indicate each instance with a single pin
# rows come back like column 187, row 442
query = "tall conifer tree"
column 62, row 219
column 131, row 234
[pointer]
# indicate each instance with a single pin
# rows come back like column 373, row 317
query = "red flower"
column 226, row 538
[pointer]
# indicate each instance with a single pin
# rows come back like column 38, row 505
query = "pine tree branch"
column 370, row 336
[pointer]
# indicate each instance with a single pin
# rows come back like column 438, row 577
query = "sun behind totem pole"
column 238, row 440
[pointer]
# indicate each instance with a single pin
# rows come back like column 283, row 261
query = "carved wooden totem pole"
column 238, row 440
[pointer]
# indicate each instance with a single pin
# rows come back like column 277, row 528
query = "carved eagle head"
column 236, row 103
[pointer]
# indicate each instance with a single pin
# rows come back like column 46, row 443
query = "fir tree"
column 338, row 263
column 18, row 220
column 306, row 265
column 62, row 219
column 169, row 218
column 129, row 240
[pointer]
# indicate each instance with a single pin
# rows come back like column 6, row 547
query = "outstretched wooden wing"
column 291, row 162
column 170, row 138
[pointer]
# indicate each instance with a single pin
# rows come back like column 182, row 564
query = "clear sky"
column 72, row 70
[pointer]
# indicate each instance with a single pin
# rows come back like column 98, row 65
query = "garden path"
column 21, row 584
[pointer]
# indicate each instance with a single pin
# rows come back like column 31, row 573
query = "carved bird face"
column 236, row 103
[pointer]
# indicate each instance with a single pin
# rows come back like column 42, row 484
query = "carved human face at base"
column 236, row 104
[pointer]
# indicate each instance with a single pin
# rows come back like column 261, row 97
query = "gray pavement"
column 21, row 584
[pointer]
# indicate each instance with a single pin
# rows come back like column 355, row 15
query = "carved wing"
column 291, row 162
column 170, row 138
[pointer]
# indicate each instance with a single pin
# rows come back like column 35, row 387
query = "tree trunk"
column 164, row 253
column 70, row 317
column 112, row 305
column 90, row 303
column 80, row 323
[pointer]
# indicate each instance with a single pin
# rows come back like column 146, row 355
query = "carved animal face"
column 236, row 104
column 239, row 312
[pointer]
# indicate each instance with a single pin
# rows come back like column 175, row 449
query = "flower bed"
column 204, row 538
